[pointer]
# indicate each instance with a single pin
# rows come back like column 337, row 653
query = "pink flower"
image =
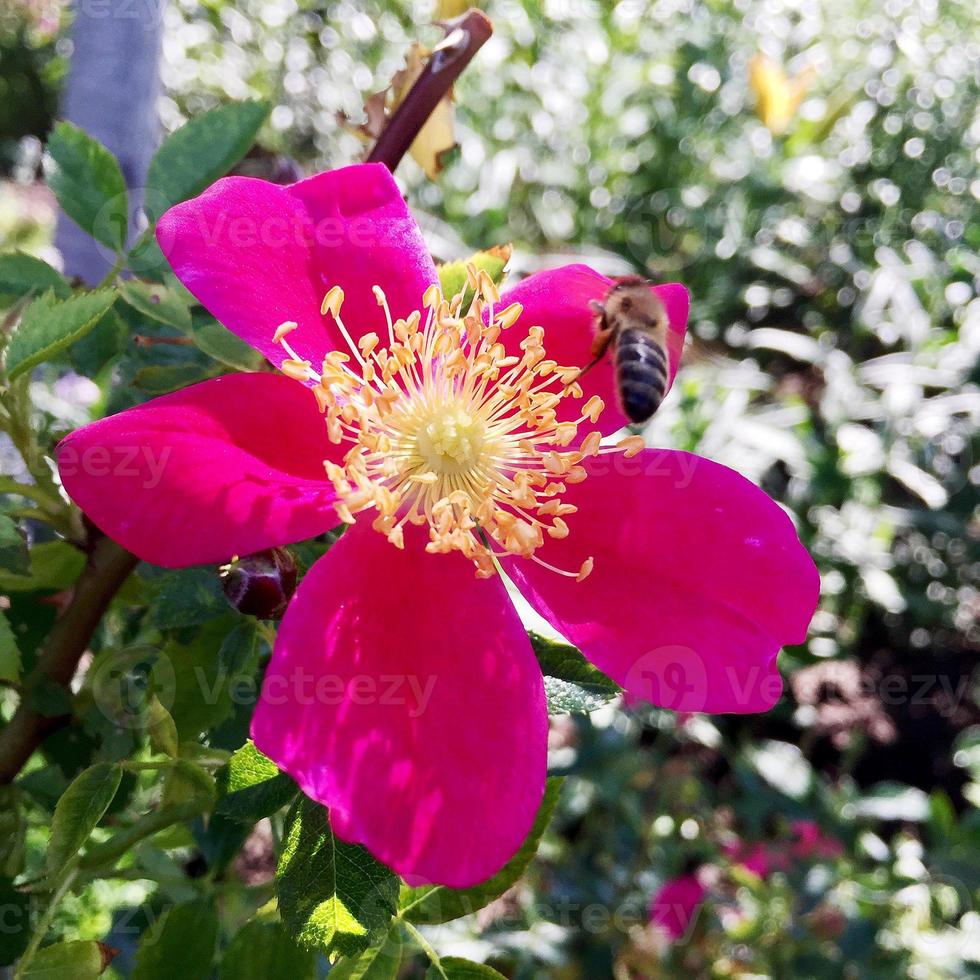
column 765, row 858
column 674, row 907
column 403, row 692
column 759, row 858
column 812, row 843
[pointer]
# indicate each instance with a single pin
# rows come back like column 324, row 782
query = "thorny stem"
column 107, row 567
column 466, row 35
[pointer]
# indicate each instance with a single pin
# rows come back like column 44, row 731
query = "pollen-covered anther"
column 444, row 429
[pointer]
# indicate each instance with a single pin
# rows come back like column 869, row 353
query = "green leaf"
column 157, row 302
column 187, row 781
column 202, row 692
column 221, row 344
column 79, row 960
column 88, row 183
column 431, row 904
column 452, row 275
column 16, row 930
column 179, row 944
column 379, row 962
column 161, row 728
column 49, row 326
column 261, row 950
column 201, row 151
column 9, row 653
column 252, row 787
column 456, row 968
column 106, row 340
column 571, row 683
column 13, row 548
column 333, row 896
column 189, row 597
column 161, row 379
column 79, row 810
column 23, row 275
column 54, row 565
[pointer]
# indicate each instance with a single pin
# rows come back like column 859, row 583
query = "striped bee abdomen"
column 641, row 374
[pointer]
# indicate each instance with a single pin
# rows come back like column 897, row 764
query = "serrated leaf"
column 179, row 944
column 88, row 183
column 493, row 261
column 380, row 962
column 78, row 960
column 189, row 597
column 9, row 652
column 201, row 151
column 456, row 968
column 252, row 787
column 22, row 275
column 158, row 303
column 333, row 896
column 261, row 950
column 571, row 683
column 432, row 904
column 48, row 326
column 13, row 548
column 79, row 810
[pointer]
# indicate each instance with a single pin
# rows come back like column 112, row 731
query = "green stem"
column 425, row 946
column 64, row 884
column 106, row 854
column 110, row 276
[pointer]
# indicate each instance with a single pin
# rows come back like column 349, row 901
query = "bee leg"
column 599, row 347
column 601, row 342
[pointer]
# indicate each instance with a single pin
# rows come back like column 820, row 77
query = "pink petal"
column 676, row 904
column 225, row 467
column 403, row 694
column 558, row 300
column 699, row 579
column 256, row 255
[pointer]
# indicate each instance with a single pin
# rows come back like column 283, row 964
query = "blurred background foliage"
column 822, row 207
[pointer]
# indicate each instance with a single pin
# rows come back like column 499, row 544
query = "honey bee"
column 633, row 320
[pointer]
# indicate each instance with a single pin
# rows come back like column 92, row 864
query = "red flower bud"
column 261, row 584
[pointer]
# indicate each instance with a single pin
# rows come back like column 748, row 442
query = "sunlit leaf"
column 48, row 326
column 252, row 787
column 333, row 896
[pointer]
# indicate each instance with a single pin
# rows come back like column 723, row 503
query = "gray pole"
column 111, row 92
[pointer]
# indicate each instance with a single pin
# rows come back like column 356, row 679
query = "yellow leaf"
column 777, row 96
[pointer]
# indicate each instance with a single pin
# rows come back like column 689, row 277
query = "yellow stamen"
column 443, row 428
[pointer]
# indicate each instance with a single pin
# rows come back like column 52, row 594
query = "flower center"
column 446, row 429
column 450, row 442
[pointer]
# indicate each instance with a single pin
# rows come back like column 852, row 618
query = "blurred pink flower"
column 764, row 858
column 403, row 692
column 812, row 843
column 675, row 905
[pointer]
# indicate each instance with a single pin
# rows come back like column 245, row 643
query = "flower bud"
column 261, row 584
